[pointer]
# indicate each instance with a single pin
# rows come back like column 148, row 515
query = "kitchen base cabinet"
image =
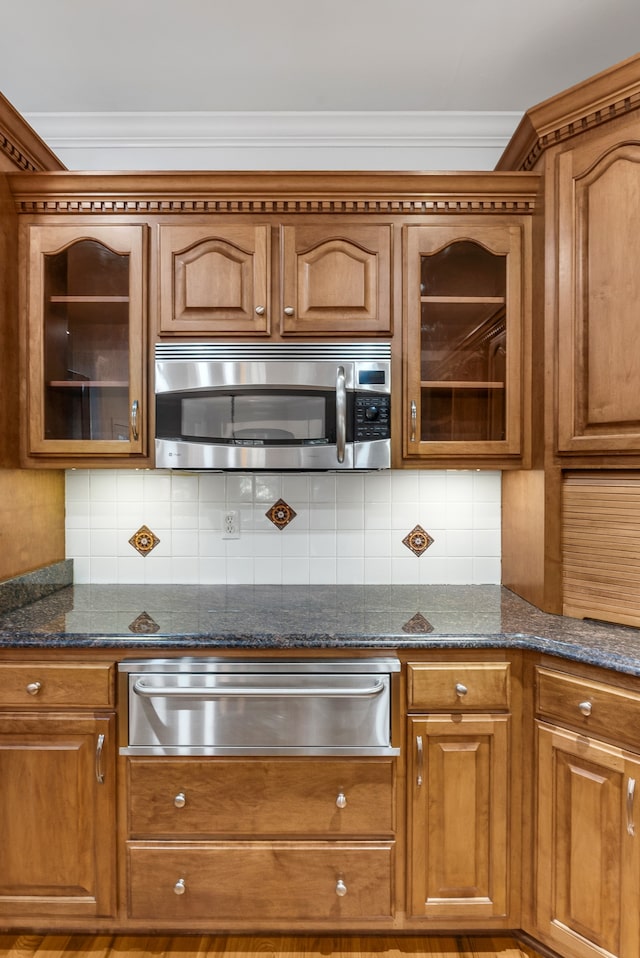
column 323, row 882
column 57, row 817
column 588, row 858
column 260, row 839
column 459, row 815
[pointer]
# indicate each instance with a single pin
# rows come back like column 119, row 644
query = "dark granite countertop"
column 192, row 617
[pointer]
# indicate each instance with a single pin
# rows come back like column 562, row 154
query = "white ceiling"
column 305, row 55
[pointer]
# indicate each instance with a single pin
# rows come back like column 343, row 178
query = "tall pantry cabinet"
column 567, row 551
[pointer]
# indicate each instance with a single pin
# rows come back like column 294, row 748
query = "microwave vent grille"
column 296, row 352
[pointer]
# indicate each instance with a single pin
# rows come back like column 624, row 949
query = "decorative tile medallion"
column 144, row 540
column 281, row 514
column 417, row 625
column 417, row 540
column 144, row 625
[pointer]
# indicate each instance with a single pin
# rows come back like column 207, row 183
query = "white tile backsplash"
column 348, row 528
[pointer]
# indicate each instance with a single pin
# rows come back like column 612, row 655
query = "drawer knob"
column 180, row 800
column 585, row 708
column 34, row 687
column 341, row 888
column 461, row 689
column 341, row 800
column 180, row 887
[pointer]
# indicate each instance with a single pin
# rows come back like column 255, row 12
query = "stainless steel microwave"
column 276, row 406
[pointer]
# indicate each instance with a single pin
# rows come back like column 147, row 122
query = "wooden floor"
column 237, row 946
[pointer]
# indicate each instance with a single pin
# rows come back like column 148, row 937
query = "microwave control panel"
column 372, row 417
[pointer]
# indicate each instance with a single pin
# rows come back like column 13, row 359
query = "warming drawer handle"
column 153, row 691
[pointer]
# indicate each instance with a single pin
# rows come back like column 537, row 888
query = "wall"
column 347, row 528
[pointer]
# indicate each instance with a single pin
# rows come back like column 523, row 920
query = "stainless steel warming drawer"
column 215, row 706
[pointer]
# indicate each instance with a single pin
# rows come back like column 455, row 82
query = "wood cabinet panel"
column 461, row 686
column 84, row 350
column 458, row 788
column 599, row 286
column 592, row 707
column 466, row 316
column 315, row 881
column 215, row 279
column 39, row 684
column 56, row 816
column 336, row 279
column 588, row 855
column 179, row 797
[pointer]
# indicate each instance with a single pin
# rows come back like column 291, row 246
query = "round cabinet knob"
column 341, row 888
column 34, row 687
column 461, row 689
column 260, row 310
column 180, row 887
column 585, row 708
column 180, row 800
column 341, row 800
column 289, row 311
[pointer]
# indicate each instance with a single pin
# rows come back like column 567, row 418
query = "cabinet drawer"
column 261, row 880
column 463, row 686
column 592, row 707
column 41, row 684
column 220, row 796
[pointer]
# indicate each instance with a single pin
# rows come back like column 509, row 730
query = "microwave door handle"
column 341, row 414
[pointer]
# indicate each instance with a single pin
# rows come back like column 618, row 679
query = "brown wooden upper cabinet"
column 598, row 295
column 330, row 278
column 464, row 314
column 85, row 346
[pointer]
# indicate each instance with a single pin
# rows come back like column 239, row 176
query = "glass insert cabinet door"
column 86, row 348
column 463, row 340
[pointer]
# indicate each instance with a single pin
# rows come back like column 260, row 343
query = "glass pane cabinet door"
column 86, row 340
column 463, row 325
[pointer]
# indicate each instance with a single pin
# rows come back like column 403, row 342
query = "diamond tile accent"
column 417, row 625
column 281, row 514
column 417, row 540
column 144, row 540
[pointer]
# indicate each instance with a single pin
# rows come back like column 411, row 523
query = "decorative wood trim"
column 605, row 96
column 21, row 144
column 276, row 193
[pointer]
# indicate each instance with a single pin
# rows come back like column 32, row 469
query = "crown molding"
column 197, row 138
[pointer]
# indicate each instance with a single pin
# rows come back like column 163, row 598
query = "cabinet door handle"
column 134, row 420
column 99, row 771
column 260, row 310
column 420, row 751
column 631, row 791
column 341, row 800
column 585, row 708
column 414, row 420
column 289, row 311
column 34, row 687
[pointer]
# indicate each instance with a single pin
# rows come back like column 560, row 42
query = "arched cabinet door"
column 598, row 292
column 215, row 279
column 336, row 278
column 465, row 318
column 84, row 349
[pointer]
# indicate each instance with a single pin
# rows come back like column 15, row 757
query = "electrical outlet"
column 231, row 524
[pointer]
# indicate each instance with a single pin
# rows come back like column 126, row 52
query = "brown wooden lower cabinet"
column 323, row 882
column 458, row 844
column 588, row 852
column 57, row 816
